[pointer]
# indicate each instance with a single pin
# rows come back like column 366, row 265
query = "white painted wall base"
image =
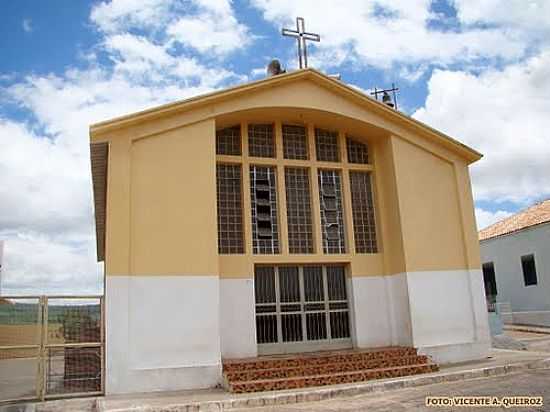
column 170, row 332
column 460, row 352
column 380, row 311
column 443, row 313
column 449, row 314
column 162, row 333
column 237, row 318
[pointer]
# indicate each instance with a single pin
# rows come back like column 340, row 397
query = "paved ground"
column 530, row 383
column 538, row 342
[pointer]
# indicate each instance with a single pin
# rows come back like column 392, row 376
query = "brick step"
column 313, row 370
column 329, row 379
column 316, row 359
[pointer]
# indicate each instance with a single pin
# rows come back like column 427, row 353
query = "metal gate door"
column 301, row 308
column 51, row 347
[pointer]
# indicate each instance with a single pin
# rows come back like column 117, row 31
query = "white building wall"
column 237, row 318
column 162, row 333
column 505, row 252
column 442, row 313
column 449, row 314
column 380, row 311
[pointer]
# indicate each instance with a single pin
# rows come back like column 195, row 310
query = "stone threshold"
column 226, row 401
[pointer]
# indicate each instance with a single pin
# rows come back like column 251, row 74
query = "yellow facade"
column 161, row 184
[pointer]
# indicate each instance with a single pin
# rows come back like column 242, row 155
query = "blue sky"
column 478, row 70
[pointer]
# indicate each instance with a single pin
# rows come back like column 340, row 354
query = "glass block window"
column 298, row 205
column 332, row 219
column 228, row 141
column 230, row 216
column 263, row 196
column 362, row 205
column 295, row 142
column 261, row 141
column 326, row 145
column 357, row 151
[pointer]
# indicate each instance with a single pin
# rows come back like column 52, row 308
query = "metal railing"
column 51, row 347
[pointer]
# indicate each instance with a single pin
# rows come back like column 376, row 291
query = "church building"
column 287, row 215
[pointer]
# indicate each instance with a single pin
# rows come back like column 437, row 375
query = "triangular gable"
column 338, row 87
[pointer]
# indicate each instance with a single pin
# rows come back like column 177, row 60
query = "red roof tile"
column 534, row 215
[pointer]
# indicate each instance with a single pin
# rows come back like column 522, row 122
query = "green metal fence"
column 51, row 347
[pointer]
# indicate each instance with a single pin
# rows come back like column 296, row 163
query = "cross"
column 301, row 36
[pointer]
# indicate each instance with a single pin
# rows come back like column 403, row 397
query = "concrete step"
column 313, row 370
column 329, row 379
column 316, row 358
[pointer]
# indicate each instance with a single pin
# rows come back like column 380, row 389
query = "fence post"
column 41, row 384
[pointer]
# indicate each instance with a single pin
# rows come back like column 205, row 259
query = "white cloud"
column 118, row 15
column 27, row 25
column 38, row 264
column 505, row 114
column 45, row 213
column 205, row 25
column 530, row 15
column 486, row 218
column 387, row 32
column 213, row 29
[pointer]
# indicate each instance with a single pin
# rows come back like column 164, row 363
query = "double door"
column 301, row 308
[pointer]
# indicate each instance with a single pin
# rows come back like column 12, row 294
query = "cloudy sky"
column 478, row 70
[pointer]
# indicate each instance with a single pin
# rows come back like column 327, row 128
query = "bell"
column 387, row 100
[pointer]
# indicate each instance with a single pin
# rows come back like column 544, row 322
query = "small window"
column 295, row 142
column 357, row 151
column 261, row 142
column 263, row 197
column 230, row 209
column 332, row 217
column 326, row 145
column 529, row 270
column 298, row 205
column 362, row 207
column 489, row 279
column 228, row 141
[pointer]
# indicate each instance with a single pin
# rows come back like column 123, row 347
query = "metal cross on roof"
column 301, row 36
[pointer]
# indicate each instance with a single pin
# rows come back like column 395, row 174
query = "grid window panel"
column 298, row 204
column 332, row 218
column 230, row 209
column 364, row 228
column 261, row 141
column 263, row 196
column 228, row 141
column 295, row 142
column 357, row 152
column 326, row 145
column 264, row 284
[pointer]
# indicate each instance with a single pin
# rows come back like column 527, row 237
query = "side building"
column 515, row 253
